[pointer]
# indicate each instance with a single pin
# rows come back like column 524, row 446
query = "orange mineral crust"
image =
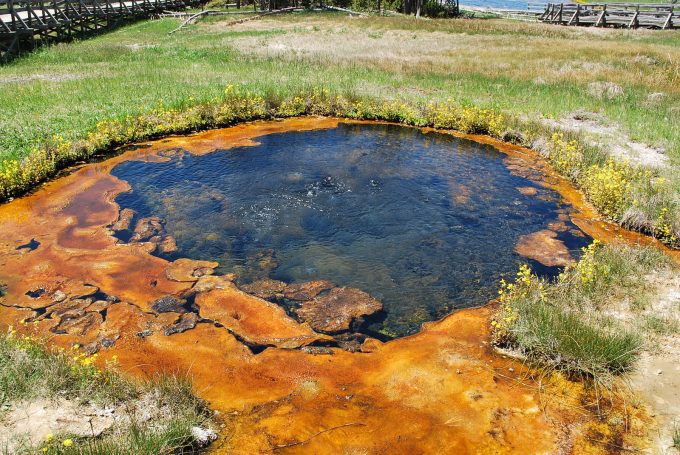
column 278, row 385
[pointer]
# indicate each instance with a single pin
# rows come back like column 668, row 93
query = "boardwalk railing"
column 531, row 13
column 628, row 15
column 24, row 24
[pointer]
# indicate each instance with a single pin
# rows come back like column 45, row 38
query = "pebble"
column 203, row 436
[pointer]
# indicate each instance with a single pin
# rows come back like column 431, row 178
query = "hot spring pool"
column 424, row 222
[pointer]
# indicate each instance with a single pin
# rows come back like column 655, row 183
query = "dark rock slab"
column 186, row 322
column 78, row 323
column 169, row 304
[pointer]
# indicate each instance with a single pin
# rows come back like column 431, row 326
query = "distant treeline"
column 432, row 8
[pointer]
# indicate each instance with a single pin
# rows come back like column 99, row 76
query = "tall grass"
column 561, row 325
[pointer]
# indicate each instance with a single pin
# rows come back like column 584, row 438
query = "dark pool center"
column 424, row 222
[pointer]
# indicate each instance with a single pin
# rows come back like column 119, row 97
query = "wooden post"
column 574, row 17
column 634, row 21
column 601, row 19
column 559, row 19
column 669, row 20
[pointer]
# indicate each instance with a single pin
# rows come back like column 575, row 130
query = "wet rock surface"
column 544, row 247
column 184, row 270
column 267, row 289
column 78, row 322
column 209, row 282
column 124, row 222
column 336, row 311
column 254, row 321
column 308, row 290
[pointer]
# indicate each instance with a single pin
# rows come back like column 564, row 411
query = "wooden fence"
column 625, row 15
column 25, row 24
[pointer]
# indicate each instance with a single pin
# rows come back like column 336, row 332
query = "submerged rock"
column 308, row 290
column 167, row 245
column 265, row 289
column 336, row 311
column 147, row 228
column 528, row 190
column 184, row 270
column 124, row 220
column 544, row 247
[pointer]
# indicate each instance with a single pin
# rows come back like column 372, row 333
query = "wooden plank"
column 628, row 15
column 24, row 22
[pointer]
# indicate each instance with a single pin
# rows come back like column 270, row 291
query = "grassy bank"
column 152, row 418
column 593, row 319
column 70, row 101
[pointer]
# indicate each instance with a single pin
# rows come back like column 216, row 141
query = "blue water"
column 425, row 222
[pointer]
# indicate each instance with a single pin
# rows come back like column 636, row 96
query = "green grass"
column 113, row 80
column 676, row 438
column 59, row 95
column 31, row 371
column 562, row 339
column 564, row 324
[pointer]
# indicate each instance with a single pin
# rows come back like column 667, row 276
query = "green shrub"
column 560, row 324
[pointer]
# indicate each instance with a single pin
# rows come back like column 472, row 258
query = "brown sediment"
column 528, row 190
column 442, row 390
column 544, row 247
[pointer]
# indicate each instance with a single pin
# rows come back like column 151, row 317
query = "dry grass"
column 578, row 57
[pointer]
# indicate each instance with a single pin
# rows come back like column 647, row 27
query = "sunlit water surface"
column 425, row 222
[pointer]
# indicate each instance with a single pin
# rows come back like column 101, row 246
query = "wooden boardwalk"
column 622, row 15
column 25, row 24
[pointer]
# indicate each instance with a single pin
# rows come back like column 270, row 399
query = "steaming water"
column 426, row 223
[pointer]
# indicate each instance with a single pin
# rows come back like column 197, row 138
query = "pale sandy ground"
column 656, row 378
